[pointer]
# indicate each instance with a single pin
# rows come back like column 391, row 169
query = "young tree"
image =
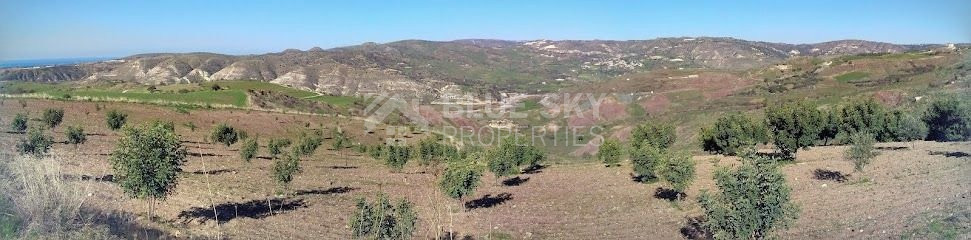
column 645, row 161
column 678, row 170
column 116, row 119
column 731, row 132
column 35, row 143
column 249, row 149
column 308, row 143
column 948, row 119
column 432, row 153
column 382, row 220
column 461, row 177
column 19, row 123
column 861, row 150
column 284, row 169
column 75, row 135
column 610, row 152
column 901, row 126
column 830, row 125
column 862, row 116
column 661, row 135
column 795, row 125
column 752, row 202
column 147, row 162
column 225, row 134
column 53, row 117
column 275, row 146
column 396, row 156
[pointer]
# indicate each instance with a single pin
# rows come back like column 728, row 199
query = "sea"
column 24, row 63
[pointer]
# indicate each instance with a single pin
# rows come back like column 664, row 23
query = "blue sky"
column 31, row 29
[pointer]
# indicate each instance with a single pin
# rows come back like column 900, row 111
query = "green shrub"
column 376, row 152
column 731, row 132
column 147, row 161
column 794, row 125
column 382, row 220
column 432, row 153
column 948, row 119
column 75, row 135
column 116, row 119
column 830, row 126
column 249, row 149
column 35, row 143
column 862, row 116
column 19, row 123
column 645, row 162
column 610, row 152
column 284, row 169
column 678, row 170
column 308, row 144
column 752, row 201
column 396, row 156
column 275, row 146
column 661, row 135
column 461, row 177
column 52, row 117
column 861, row 150
column 902, row 126
column 225, row 134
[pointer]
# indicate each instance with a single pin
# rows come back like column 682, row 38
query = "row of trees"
column 651, row 156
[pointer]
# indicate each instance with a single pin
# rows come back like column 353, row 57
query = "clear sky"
column 31, row 29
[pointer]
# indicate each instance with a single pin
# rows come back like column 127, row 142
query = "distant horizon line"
column 106, row 57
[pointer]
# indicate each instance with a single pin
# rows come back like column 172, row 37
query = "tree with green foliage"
column 861, row 116
column 53, row 117
column 861, row 150
column 432, row 153
column 795, row 125
column 753, row 201
column 610, row 152
column 461, row 177
column 731, row 132
column 276, row 146
column 35, row 143
column 147, row 161
column 902, row 126
column 341, row 140
column 19, row 123
column 396, row 156
column 655, row 133
column 249, row 149
column 75, row 135
column 284, row 169
column 382, row 220
column 948, row 119
column 376, row 152
column 225, row 134
column 646, row 161
column 115, row 119
column 678, row 170
column 830, row 125
column 308, row 143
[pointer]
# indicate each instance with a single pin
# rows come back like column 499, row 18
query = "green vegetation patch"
column 851, row 77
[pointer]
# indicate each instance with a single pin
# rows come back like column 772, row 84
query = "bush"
column 225, row 134
column 283, row 170
column 308, row 144
column 249, row 149
column 19, row 123
column 902, row 126
column 275, row 146
column 461, row 177
column 795, row 125
column 661, row 135
column 731, row 132
column 116, row 119
column 432, row 153
column 752, row 201
column 147, row 162
column 396, row 156
column 948, row 119
column 861, row 150
column 610, row 152
column 678, row 170
column 645, row 161
column 75, row 135
column 35, row 143
column 376, row 152
column 382, row 220
column 52, row 117
column 862, row 116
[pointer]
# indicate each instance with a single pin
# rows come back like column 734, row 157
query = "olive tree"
column 678, row 171
column 308, row 143
column 948, row 119
column 902, row 126
column 610, row 152
column 646, row 161
column 19, row 123
column 396, row 156
column 432, row 153
column 75, row 135
column 35, row 143
column 115, row 119
column 225, row 134
column 731, row 132
column 53, row 117
column 275, row 146
column 147, row 161
column 861, row 150
column 659, row 134
column 461, row 177
column 284, row 169
column 753, row 200
column 794, row 125
column 382, row 220
column 249, row 149
column 862, row 116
